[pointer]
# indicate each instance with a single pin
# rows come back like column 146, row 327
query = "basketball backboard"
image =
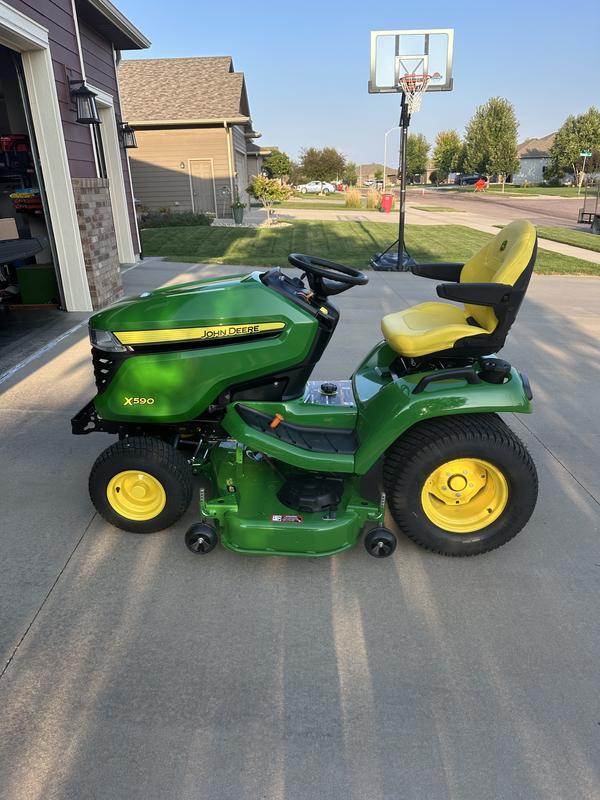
column 407, row 52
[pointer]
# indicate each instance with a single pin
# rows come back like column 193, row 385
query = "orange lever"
column 277, row 420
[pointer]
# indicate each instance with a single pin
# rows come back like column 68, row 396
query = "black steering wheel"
column 327, row 277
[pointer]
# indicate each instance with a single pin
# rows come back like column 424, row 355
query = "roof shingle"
column 158, row 89
column 536, row 148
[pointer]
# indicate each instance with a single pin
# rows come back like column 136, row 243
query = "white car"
column 316, row 187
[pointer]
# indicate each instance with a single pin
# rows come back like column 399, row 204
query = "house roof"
column 371, row 169
column 176, row 91
column 111, row 23
column 536, row 148
column 253, row 149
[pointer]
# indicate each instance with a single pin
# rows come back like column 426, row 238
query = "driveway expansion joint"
column 46, row 598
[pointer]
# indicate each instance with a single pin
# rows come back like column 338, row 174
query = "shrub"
column 268, row 191
column 373, row 198
column 166, row 219
column 353, row 198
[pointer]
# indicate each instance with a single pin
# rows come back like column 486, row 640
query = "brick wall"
column 98, row 239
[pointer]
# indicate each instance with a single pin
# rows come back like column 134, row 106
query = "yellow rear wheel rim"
column 464, row 495
column 136, row 495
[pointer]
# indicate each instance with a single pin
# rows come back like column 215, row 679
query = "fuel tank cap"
column 329, row 388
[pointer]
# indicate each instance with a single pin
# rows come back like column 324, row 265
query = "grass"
column 441, row 209
column 352, row 243
column 520, row 191
column 314, row 204
column 589, row 241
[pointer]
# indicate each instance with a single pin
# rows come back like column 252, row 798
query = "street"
column 541, row 210
column 137, row 670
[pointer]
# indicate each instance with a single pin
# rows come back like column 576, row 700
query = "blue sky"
column 306, row 63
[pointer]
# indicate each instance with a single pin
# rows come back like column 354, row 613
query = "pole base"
column 388, row 262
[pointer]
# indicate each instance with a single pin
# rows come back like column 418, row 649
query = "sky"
column 306, row 63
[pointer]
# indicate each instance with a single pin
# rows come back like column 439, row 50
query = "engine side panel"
column 175, row 381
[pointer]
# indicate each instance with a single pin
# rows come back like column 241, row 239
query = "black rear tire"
column 428, row 445
column 167, row 471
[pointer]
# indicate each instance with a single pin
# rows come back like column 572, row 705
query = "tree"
column 575, row 135
column 268, row 191
column 350, row 173
column 378, row 174
column 417, row 152
column 446, row 153
column 322, row 165
column 491, row 140
column 278, row 164
column 296, row 175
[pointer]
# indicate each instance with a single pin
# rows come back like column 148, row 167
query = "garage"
column 67, row 216
column 30, row 294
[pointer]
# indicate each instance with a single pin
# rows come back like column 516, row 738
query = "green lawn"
column 520, row 191
column 352, row 243
column 589, row 241
column 314, row 203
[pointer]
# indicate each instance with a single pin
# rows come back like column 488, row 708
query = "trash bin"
column 387, row 201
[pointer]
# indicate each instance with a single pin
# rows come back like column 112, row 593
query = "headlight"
column 105, row 340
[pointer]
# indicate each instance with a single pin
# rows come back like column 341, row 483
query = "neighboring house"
column 193, row 124
column 74, row 177
column 256, row 156
column 366, row 172
column 534, row 157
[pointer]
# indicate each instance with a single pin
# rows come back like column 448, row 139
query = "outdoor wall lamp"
column 128, row 135
column 85, row 102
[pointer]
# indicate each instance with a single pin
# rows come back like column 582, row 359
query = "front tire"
column 141, row 484
column 462, row 485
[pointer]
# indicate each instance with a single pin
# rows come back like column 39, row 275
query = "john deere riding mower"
column 212, row 377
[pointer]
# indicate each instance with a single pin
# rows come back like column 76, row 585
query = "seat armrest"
column 480, row 294
column 444, row 271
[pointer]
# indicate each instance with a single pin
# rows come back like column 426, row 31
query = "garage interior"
column 30, row 298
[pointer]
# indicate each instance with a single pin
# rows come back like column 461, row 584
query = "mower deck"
column 252, row 519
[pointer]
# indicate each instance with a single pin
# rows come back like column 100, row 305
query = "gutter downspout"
column 229, row 157
column 83, row 77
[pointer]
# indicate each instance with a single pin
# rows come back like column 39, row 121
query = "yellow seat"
column 427, row 328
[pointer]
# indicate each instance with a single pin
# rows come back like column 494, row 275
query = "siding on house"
column 158, row 177
column 65, row 56
column 100, row 68
column 531, row 170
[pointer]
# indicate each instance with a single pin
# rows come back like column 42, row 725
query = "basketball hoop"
column 414, row 87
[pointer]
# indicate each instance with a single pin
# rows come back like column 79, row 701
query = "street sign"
column 586, row 154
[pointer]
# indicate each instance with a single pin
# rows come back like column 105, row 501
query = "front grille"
column 105, row 368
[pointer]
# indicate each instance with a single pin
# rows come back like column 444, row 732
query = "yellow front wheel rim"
column 136, row 495
column 464, row 495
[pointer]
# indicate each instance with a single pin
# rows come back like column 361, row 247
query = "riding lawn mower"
column 213, row 378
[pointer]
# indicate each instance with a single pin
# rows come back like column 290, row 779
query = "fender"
column 358, row 435
column 388, row 406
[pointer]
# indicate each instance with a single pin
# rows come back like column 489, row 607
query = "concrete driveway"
column 137, row 670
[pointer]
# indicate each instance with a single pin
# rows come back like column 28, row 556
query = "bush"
column 373, row 198
column 166, row 219
column 353, row 198
column 269, row 191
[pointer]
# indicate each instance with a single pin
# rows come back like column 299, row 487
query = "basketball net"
column 414, row 87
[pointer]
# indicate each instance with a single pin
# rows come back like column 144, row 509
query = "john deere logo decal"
column 197, row 334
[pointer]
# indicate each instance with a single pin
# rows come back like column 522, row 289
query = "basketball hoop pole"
column 404, row 123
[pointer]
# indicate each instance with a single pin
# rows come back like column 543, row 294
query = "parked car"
column 468, row 180
column 316, row 187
